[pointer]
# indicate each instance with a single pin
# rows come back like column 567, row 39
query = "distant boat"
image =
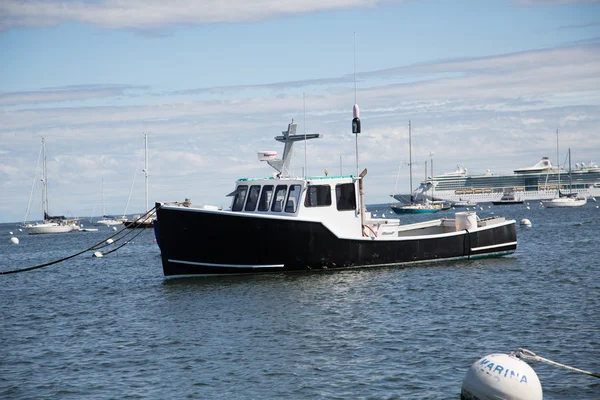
column 464, row 203
column 426, row 207
column 564, row 200
column 416, row 208
column 508, row 198
column 106, row 219
column 50, row 224
column 148, row 220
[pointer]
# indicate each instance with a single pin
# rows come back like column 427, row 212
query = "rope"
column 96, row 246
column 531, row 356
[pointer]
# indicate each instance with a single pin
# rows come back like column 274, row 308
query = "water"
column 114, row 328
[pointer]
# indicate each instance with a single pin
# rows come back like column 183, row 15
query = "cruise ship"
column 539, row 182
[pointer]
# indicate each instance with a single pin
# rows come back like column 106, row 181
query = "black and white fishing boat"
column 290, row 223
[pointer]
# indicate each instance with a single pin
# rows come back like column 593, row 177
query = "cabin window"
column 280, row 193
column 293, row 198
column 345, row 196
column 265, row 198
column 318, row 196
column 252, row 198
column 240, row 196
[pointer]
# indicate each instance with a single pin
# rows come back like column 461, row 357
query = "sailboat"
column 49, row 224
column 427, row 207
column 564, row 200
column 108, row 220
column 148, row 220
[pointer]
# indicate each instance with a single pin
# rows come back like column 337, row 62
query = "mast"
column 558, row 161
column 44, row 181
column 410, row 161
column 146, row 166
column 432, row 187
column 570, row 179
column 102, row 197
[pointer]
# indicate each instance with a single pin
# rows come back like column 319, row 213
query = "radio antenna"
column 355, row 110
column 305, row 166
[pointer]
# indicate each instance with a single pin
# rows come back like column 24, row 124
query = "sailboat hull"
column 45, row 228
column 564, row 202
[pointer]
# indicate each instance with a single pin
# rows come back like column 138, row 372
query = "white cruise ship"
column 539, row 182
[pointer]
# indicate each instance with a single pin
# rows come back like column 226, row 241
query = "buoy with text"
column 501, row 376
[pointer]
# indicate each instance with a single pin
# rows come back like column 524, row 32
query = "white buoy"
column 500, row 376
column 383, row 215
column 525, row 222
column 114, row 228
column 109, row 241
column 528, row 208
column 14, row 240
column 20, row 230
column 98, row 254
column 10, row 233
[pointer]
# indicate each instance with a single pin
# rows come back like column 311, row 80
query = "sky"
column 485, row 84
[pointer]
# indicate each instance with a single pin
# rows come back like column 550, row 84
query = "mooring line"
column 531, row 356
column 97, row 246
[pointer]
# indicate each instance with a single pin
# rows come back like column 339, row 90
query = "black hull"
column 138, row 225
column 199, row 242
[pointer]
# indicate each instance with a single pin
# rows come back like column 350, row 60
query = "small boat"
column 507, row 198
column 108, row 220
column 298, row 223
column 417, row 208
column 424, row 207
column 50, row 224
column 464, row 203
column 565, row 200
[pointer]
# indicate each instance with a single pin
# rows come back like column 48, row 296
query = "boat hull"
column 564, row 203
column 47, row 228
column 506, row 202
column 202, row 242
column 402, row 210
column 138, row 225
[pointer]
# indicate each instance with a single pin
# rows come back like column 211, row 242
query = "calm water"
column 114, row 328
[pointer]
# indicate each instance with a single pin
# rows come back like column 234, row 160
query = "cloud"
column 148, row 14
column 66, row 94
column 496, row 112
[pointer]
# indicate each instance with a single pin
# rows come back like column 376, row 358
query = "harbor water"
column 113, row 327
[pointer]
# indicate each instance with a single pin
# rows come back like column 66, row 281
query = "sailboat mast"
column 570, row 179
column 102, row 197
column 410, row 160
column 432, row 188
column 558, row 163
column 146, row 166
column 44, row 181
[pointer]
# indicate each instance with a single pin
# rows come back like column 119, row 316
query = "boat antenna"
column 304, row 105
column 355, row 110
